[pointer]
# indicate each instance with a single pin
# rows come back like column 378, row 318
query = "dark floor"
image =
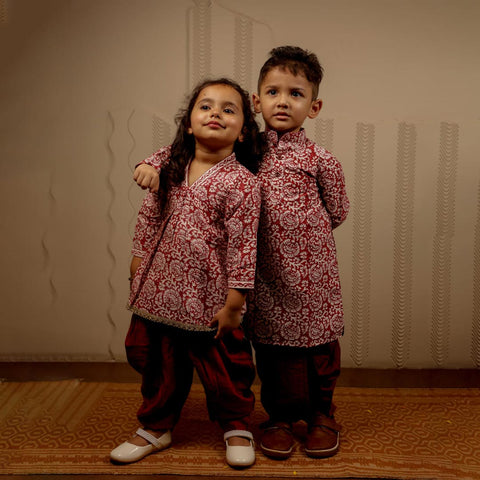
column 350, row 377
column 121, row 372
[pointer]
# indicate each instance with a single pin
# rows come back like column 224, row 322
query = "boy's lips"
column 282, row 115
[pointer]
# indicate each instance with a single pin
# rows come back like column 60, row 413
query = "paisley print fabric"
column 202, row 245
column 297, row 298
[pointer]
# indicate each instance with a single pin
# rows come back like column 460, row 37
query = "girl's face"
column 216, row 120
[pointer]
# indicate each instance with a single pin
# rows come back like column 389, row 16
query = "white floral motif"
column 185, row 276
column 296, row 247
column 289, row 220
column 289, row 248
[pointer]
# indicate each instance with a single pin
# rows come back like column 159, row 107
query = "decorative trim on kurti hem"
column 171, row 323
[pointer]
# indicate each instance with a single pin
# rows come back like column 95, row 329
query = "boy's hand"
column 147, row 177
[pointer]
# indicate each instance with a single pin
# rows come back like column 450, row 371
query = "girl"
column 194, row 258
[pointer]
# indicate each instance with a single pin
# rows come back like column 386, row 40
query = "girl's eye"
column 228, row 110
column 204, row 107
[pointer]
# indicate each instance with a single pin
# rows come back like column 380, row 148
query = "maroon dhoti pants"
column 298, row 383
column 166, row 357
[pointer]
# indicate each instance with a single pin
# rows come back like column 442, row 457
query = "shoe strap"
column 286, row 427
column 238, row 433
column 156, row 442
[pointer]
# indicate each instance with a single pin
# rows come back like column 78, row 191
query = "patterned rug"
column 70, row 427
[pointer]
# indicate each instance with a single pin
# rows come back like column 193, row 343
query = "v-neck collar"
column 205, row 175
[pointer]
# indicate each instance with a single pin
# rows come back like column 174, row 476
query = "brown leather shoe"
column 323, row 437
column 277, row 441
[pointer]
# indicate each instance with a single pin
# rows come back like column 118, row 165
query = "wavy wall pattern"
column 403, row 244
column 110, row 232
column 201, row 61
column 162, row 133
column 324, row 128
column 48, row 264
column 3, row 12
column 362, row 237
column 475, row 351
column 442, row 243
column 242, row 65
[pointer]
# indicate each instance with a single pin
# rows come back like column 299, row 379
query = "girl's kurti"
column 202, row 245
column 297, row 299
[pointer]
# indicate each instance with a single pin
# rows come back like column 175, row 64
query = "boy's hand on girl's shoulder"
column 147, row 176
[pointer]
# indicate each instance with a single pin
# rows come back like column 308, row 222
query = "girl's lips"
column 214, row 125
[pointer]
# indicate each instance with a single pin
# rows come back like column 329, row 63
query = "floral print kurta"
column 202, row 245
column 297, row 299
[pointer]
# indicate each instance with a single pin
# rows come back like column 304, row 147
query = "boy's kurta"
column 297, row 299
column 202, row 245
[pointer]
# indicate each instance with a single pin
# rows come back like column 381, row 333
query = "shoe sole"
column 276, row 454
column 323, row 453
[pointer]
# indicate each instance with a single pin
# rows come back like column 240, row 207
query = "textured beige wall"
column 90, row 87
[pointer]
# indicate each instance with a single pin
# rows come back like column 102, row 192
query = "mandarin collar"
column 292, row 139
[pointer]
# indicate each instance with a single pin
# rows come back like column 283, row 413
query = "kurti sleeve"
column 331, row 181
column 242, row 216
column 148, row 219
column 159, row 159
column 148, row 222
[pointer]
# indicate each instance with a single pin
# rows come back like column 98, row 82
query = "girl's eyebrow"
column 224, row 104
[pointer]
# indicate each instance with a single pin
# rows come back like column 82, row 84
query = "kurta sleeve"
column 242, row 216
column 331, row 181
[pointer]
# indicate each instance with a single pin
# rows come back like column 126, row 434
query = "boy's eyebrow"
column 292, row 88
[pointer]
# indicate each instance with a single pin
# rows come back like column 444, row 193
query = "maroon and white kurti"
column 202, row 245
column 297, row 299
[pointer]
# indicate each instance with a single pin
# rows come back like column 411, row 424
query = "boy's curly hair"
column 298, row 61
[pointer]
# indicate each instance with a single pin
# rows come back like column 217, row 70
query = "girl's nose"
column 215, row 112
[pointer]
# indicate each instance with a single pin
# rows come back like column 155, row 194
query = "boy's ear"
column 315, row 108
column 256, row 103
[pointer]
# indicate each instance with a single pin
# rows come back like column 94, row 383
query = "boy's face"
column 285, row 100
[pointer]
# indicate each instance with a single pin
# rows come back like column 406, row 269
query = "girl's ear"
column 189, row 130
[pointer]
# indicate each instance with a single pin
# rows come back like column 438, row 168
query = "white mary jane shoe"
column 128, row 452
column 239, row 456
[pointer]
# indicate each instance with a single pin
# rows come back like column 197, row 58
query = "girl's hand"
column 229, row 317
column 226, row 320
column 147, row 176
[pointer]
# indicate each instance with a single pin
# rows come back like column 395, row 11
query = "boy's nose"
column 282, row 101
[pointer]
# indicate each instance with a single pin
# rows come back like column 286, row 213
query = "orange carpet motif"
column 70, row 427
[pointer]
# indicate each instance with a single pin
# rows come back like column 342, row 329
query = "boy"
column 295, row 314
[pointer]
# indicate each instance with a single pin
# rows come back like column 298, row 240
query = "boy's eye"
column 272, row 91
column 296, row 94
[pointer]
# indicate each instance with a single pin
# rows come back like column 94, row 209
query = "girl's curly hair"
column 248, row 152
